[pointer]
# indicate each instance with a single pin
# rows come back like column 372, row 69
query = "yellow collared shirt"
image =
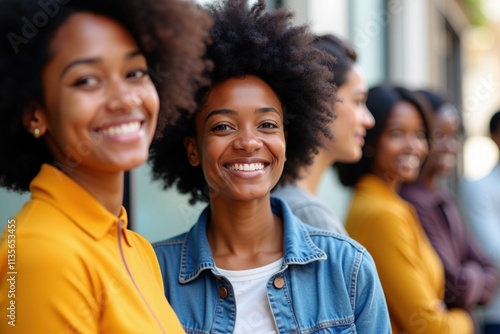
column 410, row 271
column 72, row 267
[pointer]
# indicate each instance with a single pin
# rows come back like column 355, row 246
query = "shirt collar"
column 196, row 255
column 377, row 188
column 374, row 184
column 53, row 186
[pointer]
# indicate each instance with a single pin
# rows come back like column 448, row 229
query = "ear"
column 35, row 122
column 192, row 151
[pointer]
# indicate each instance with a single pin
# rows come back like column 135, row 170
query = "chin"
column 350, row 157
column 133, row 163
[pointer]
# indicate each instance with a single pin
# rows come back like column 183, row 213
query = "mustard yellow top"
column 411, row 273
column 72, row 267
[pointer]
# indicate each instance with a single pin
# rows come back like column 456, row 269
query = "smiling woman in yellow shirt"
column 78, row 268
column 77, row 110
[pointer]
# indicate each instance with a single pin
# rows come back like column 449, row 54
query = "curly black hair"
column 248, row 40
column 171, row 34
column 380, row 101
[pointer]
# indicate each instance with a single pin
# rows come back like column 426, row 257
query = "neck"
column 106, row 187
column 244, row 234
column 429, row 181
column 313, row 174
column 392, row 182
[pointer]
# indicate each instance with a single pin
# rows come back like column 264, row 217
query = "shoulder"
column 345, row 253
column 416, row 194
column 40, row 224
column 381, row 222
column 381, row 210
column 291, row 194
column 166, row 247
column 328, row 240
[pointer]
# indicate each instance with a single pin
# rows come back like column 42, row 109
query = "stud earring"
column 36, row 133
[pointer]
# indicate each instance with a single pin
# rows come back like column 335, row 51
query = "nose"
column 247, row 140
column 367, row 118
column 121, row 97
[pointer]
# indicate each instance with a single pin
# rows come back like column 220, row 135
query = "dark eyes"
column 400, row 134
column 220, row 127
column 269, row 125
column 86, row 81
column 94, row 80
column 227, row 127
column 137, row 73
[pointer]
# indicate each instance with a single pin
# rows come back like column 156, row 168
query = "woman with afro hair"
column 249, row 265
column 78, row 109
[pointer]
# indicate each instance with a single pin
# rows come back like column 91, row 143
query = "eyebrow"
column 96, row 60
column 234, row 112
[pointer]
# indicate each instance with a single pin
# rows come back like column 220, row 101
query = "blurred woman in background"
column 348, row 129
column 410, row 270
column 471, row 278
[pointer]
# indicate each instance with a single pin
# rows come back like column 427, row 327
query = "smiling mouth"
column 246, row 167
column 121, row 129
column 410, row 160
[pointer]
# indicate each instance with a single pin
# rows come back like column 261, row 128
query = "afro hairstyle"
column 247, row 40
column 171, row 34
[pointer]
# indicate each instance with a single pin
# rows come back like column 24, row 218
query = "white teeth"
column 247, row 167
column 410, row 160
column 121, row 129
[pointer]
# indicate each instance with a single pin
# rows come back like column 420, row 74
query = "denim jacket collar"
column 298, row 247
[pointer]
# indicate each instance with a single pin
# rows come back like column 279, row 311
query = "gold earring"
column 36, row 133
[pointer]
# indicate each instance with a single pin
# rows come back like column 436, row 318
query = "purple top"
column 471, row 278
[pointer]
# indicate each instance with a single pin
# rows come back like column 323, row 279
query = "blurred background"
column 452, row 46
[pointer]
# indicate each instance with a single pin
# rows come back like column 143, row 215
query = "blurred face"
column 445, row 141
column 100, row 105
column 402, row 145
column 352, row 118
column 240, row 139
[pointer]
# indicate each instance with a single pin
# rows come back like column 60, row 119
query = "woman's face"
column 402, row 145
column 100, row 105
column 240, row 139
column 352, row 118
column 445, row 142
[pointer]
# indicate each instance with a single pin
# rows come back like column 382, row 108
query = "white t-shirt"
column 253, row 314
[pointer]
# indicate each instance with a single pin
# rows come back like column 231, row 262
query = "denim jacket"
column 328, row 283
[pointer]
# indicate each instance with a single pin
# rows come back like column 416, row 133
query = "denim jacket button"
column 222, row 292
column 279, row 282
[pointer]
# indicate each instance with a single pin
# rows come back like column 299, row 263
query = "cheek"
column 424, row 148
column 385, row 157
column 278, row 146
column 71, row 110
column 150, row 99
column 348, row 118
column 209, row 153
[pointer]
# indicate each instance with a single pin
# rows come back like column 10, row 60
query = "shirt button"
column 279, row 282
column 223, row 292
